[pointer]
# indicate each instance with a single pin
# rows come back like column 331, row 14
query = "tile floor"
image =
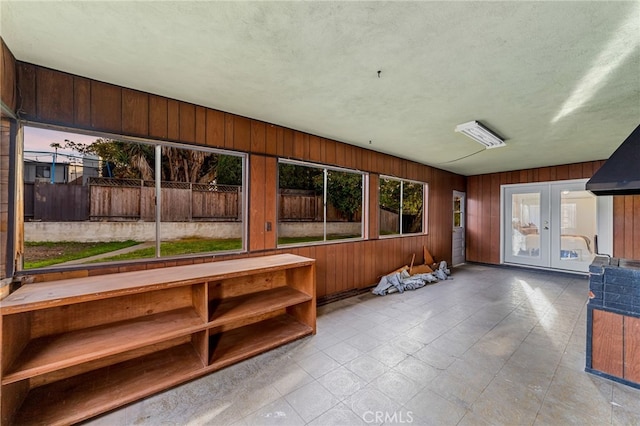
column 493, row 346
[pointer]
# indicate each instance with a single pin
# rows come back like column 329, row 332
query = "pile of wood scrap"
column 410, row 277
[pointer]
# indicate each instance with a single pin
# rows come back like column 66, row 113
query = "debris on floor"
column 413, row 277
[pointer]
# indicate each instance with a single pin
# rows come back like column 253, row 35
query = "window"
column 401, row 206
column 105, row 210
column 317, row 204
column 43, row 171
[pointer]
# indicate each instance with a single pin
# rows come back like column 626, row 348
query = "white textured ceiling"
column 560, row 81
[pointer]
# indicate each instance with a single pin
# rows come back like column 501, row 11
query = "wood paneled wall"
column 483, row 210
column 7, row 77
column 5, row 131
column 626, row 226
column 53, row 97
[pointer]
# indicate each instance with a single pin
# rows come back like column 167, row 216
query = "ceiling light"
column 480, row 134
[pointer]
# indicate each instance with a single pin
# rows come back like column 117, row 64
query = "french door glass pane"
column 577, row 226
column 525, row 225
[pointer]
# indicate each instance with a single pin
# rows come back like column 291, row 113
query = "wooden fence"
column 55, row 202
column 134, row 199
column 131, row 199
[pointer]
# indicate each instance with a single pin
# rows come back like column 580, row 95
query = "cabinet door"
column 632, row 349
column 607, row 347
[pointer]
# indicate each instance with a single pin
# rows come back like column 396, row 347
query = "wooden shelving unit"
column 73, row 349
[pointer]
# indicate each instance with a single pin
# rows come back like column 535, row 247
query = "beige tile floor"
column 493, row 346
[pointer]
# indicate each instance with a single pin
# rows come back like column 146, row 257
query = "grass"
column 175, row 248
column 43, row 254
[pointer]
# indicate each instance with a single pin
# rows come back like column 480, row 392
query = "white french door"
column 527, row 229
column 555, row 225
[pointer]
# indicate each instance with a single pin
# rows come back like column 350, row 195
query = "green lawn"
column 42, row 254
column 175, row 248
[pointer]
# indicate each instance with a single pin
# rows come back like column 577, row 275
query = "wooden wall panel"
column 329, row 152
column 494, row 197
column 473, row 212
column 258, row 137
column 54, row 100
column 82, row 103
column 135, row 113
column 280, row 141
column 607, row 347
column 5, row 135
column 158, row 127
column 287, row 147
column 340, row 159
column 187, row 120
column 271, row 140
column 241, row 134
column 173, row 120
column 270, row 189
column 215, row 129
column 228, row 130
column 299, row 142
column 632, row 349
column 201, row 125
column 26, row 80
column 257, row 175
column 106, row 107
column 8, row 77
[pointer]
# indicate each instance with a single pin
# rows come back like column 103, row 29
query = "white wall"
column 122, row 231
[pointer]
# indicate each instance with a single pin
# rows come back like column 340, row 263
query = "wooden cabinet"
column 615, row 345
column 607, row 352
column 72, row 349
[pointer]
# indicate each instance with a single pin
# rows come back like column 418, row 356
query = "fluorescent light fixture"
column 480, row 134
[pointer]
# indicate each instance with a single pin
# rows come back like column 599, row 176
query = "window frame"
column 364, row 222
column 425, row 207
column 158, row 224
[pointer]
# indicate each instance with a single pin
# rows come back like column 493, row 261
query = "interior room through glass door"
column 526, row 224
column 555, row 225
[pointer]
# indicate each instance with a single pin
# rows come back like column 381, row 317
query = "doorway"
column 458, row 256
column 555, row 225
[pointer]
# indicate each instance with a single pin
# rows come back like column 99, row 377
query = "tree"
column 137, row 161
column 293, row 176
column 344, row 192
column 229, row 170
column 123, row 159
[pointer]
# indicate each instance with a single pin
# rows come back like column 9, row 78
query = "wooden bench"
column 72, row 349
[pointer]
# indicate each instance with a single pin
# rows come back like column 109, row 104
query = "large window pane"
column 318, row 204
column 344, row 205
column 389, row 206
column 402, row 206
column 201, row 207
column 412, row 203
column 88, row 200
column 300, row 204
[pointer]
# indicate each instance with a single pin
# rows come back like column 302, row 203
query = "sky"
column 39, row 140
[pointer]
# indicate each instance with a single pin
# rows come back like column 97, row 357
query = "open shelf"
column 86, row 395
column 241, row 343
column 51, row 353
column 225, row 311
column 73, row 349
